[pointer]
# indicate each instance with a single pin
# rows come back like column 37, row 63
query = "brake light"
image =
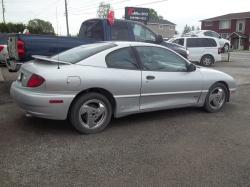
column 20, row 48
column 35, row 81
column 1, row 48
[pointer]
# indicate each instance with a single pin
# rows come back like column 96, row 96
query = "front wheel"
column 90, row 113
column 216, row 98
column 207, row 60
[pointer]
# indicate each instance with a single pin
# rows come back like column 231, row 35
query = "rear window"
column 82, row 52
column 201, row 42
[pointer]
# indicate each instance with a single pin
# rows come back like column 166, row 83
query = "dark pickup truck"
column 21, row 47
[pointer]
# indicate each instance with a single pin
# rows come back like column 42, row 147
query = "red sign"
column 111, row 17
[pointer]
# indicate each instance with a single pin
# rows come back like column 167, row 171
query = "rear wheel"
column 90, row 113
column 216, row 97
column 207, row 60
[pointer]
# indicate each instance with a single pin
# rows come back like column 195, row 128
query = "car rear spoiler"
column 48, row 59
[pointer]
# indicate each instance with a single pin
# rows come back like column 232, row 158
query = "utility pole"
column 66, row 14
column 3, row 10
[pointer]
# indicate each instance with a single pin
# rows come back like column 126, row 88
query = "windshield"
column 82, row 52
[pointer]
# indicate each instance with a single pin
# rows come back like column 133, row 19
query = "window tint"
column 122, row 59
column 92, row 29
column 119, row 31
column 82, row 52
column 142, row 34
column 201, row 42
column 160, row 59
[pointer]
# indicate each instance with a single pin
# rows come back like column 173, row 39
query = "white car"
column 204, row 50
column 223, row 42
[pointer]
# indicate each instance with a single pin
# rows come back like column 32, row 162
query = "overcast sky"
column 180, row 12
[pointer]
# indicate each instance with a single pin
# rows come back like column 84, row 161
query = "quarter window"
column 160, row 59
column 142, row 34
column 122, row 59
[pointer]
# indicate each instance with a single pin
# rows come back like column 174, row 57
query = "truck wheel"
column 90, row 113
column 216, row 98
column 207, row 60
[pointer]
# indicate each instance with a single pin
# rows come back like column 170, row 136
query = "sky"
column 180, row 12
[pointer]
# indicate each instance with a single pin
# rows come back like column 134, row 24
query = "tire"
column 90, row 113
column 207, row 60
column 216, row 98
column 226, row 47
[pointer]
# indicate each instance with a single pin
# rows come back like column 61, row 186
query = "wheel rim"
column 207, row 61
column 217, row 98
column 93, row 113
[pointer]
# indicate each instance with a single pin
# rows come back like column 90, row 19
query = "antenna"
column 58, row 64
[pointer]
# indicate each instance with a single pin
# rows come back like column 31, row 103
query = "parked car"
column 3, row 48
column 90, row 83
column 224, row 43
column 204, row 50
column 22, row 47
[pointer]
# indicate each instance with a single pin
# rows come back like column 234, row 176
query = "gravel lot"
column 184, row 147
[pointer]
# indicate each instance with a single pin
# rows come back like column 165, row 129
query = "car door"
column 196, row 50
column 125, row 80
column 165, row 80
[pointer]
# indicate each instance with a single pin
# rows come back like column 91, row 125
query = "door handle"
column 150, row 77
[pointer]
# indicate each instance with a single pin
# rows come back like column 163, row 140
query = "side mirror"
column 191, row 67
column 159, row 39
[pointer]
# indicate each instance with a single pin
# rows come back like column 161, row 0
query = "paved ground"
column 184, row 147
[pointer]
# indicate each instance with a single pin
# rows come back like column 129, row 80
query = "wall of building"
column 164, row 30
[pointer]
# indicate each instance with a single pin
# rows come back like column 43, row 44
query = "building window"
column 240, row 27
column 171, row 27
column 208, row 24
column 161, row 27
column 225, row 24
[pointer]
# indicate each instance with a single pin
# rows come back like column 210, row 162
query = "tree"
column 11, row 27
column 38, row 26
column 186, row 29
column 192, row 28
column 154, row 15
column 103, row 10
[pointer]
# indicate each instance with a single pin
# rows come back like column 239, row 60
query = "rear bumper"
column 38, row 103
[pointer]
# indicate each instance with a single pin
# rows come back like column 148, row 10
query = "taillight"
column 1, row 48
column 35, row 81
column 20, row 48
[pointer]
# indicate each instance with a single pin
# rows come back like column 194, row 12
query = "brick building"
column 235, row 26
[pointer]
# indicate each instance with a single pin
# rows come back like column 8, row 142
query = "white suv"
column 204, row 50
column 201, row 33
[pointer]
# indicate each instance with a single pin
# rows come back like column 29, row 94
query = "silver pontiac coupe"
column 91, row 83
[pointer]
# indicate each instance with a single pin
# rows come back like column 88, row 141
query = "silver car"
column 91, row 83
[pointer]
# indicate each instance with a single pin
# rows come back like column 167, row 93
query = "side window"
column 216, row 35
column 119, row 31
column 208, row 33
column 179, row 41
column 92, row 29
column 122, row 59
column 142, row 34
column 160, row 59
column 208, row 42
column 193, row 42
